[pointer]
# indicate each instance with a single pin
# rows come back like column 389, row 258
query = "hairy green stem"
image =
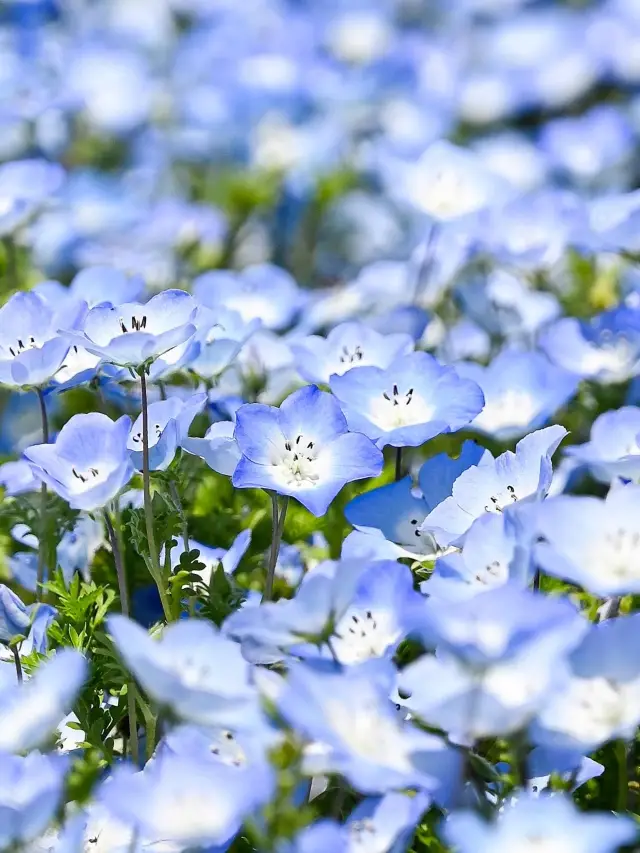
column 175, row 497
column 118, row 559
column 148, row 509
column 278, row 518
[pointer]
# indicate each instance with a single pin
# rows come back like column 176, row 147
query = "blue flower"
column 597, row 697
column 363, row 739
column 496, row 625
column 386, row 823
column 381, row 613
column 570, row 765
column 398, row 510
column 320, row 837
column 132, row 334
column 31, row 791
column 408, row 403
column 492, row 554
column 493, row 486
column 220, row 339
column 31, row 350
column 602, row 552
column 30, row 712
column 605, row 349
column 552, row 823
column 614, row 448
column 24, row 186
column 18, row 477
column 218, row 448
column 347, row 345
column 192, row 669
column 522, row 390
column 88, row 464
column 189, row 801
column 303, row 449
column 169, row 422
column 14, row 616
column 261, row 292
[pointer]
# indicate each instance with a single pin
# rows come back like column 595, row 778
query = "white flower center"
column 361, row 635
column 399, row 408
column 137, row 324
column 369, row 735
column 227, row 749
column 297, row 462
column 87, row 478
column 616, row 554
column 21, row 344
column 501, row 499
column 513, row 408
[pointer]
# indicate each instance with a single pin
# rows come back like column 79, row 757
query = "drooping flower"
column 218, row 448
column 303, row 449
column 88, row 464
column 14, row 616
column 168, row 424
column 408, row 403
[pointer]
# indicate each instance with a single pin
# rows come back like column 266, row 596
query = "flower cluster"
column 320, row 426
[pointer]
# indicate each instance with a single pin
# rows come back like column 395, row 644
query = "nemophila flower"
column 31, row 350
column 168, row 424
column 190, row 801
column 471, row 702
column 347, row 345
column 30, row 712
column 18, row 477
column 218, row 448
column 591, row 542
column 522, row 390
column 409, row 402
column 88, row 464
column 497, row 624
column 349, row 715
column 220, row 338
column 78, row 546
column 14, row 616
column 505, row 304
column 381, row 613
column 303, row 449
column 268, row 632
column 132, row 333
column 261, row 292
column 25, row 185
column 495, row 486
column 31, row 791
column 398, row 510
column 540, row 823
column 229, row 559
column 385, row 824
column 599, row 696
column 448, row 182
column 94, row 285
column 101, row 832
column 570, row 765
column 493, row 553
column 318, row 838
column 193, row 670
column 605, row 349
column 614, row 447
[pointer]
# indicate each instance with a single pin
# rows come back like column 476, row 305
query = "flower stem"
column 398, row 463
column 118, row 559
column 16, row 657
column 175, row 497
column 623, row 782
column 42, row 537
column 278, row 529
column 148, row 509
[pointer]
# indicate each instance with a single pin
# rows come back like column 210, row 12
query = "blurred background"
column 166, row 138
